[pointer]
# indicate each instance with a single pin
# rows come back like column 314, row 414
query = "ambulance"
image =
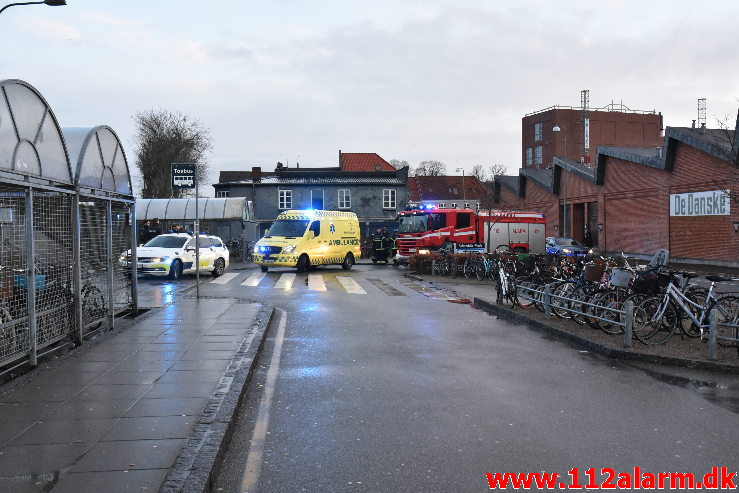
column 307, row 238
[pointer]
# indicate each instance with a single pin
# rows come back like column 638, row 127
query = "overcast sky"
column 411, row 80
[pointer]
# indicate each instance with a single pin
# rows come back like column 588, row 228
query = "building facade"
column 681, row 196
column 453, row 192
column 613, row 125
column 374, row 196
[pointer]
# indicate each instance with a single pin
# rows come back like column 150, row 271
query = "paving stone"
column 184, row 389
column 151, row 428
column 69, row 431
column 171, row 406
column 130, row 455
column 111, row 482
column 106, row 408
column 36, row 459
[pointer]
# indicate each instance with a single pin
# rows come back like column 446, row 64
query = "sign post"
column 185, row 175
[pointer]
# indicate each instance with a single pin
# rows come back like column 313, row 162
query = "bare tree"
column 398, row 164
column 164, row 137
column 497, row 169
column 728, row 141
column 478, row 171
column 430, row 168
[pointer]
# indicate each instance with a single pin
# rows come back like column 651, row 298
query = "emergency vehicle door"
column 519, row 234
column 318, row 244
column 495, row 235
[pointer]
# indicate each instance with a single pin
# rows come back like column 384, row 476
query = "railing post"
column 433, row 267
column 712, row 333
column 133, row 261
column 31, row 280
column 111, row 278
column 77, row 269
column 547, row 301
column 628, row 321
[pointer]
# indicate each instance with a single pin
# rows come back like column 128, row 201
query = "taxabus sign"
column 713, row 203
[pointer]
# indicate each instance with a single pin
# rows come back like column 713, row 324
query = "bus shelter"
column 66, row 215
column 231, row 219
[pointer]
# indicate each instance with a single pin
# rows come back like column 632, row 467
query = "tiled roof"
column 316, row 180
column 422, row 188
column 363, row 161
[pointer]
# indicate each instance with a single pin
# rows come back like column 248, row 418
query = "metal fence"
column 59, row 279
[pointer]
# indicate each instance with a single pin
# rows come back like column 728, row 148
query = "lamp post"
column 464, row 194
column 51, row 3
column 557, row 128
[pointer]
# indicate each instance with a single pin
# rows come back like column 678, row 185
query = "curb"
column 622, row 354
column 197, row 463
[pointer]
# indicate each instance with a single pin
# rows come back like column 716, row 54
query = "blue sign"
column 183, row 175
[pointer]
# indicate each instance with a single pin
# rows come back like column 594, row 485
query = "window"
column 389, row 198
column 537, row 131
column 466, row 205
column 463, row 220
column 442, row 205
column 537, row 155
column 529, row 156
column 345, row 199
column 315, row 226
column 454, row 205
column 316, row 200
column 285, row 200
column 221, row 194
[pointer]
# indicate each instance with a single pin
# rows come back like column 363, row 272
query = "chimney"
column 703, row 128
column 693, row 127
column 256, row 174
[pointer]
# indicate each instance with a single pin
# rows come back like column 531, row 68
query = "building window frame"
column 223, row 194
column 344, row 198
column 389, row 198
column 538, row 131
column 454, row 205
column 466, row 205
column 529, row 156
column 442, row 205
column 284, row 199
column 538, row 151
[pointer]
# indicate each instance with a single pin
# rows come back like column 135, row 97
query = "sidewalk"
column 118, row 414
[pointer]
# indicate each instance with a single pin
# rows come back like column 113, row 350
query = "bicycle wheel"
column 480, row 270
column 469, row 268
column 453, row 267
column 524, row 296
column 561, row 299
column 727, row 311
column 608, row 320
column 657, row 330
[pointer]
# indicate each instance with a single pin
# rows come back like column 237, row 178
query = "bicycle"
column 659, row 318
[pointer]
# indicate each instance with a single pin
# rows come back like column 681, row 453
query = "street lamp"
column 51, row 3
column 557, row 128
column 464, row 196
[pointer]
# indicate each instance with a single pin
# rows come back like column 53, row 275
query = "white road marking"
column 315, row 282
column 350, row 285
column 224, row 278
column 250, row 479
column 254, row 279
column 285, row 281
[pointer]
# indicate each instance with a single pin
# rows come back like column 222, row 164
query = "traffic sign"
column 183, row 175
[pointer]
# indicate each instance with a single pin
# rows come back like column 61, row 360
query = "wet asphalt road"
column 396, row 390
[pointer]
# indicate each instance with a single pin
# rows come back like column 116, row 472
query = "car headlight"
column 423, row 252
column 256, row 249
column 565, row 250
column 288, row 249
column 166, row 259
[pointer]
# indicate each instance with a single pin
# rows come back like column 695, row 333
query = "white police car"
column 171, row 255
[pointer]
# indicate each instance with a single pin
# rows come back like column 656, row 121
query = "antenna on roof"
column 702, row 112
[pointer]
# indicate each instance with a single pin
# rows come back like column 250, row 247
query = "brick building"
column 454, row 192
column 613, row 125
column 627, row 198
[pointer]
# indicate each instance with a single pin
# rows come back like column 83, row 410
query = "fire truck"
column 427, row 228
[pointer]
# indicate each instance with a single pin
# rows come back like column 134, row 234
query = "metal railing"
column 713, row 336
column 622, row 318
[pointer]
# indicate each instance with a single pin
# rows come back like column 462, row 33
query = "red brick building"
column 609, row 126
column 453, row 192
column 627, row 197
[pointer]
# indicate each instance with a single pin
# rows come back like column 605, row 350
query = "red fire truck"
column 428, row 228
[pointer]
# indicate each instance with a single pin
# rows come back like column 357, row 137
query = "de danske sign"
column 711, row 203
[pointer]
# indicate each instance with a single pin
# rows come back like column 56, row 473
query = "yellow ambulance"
column 306, row 238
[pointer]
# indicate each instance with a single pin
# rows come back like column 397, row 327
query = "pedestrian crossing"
column 328, row 282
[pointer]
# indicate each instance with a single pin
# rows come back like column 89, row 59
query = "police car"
column 172, row 255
